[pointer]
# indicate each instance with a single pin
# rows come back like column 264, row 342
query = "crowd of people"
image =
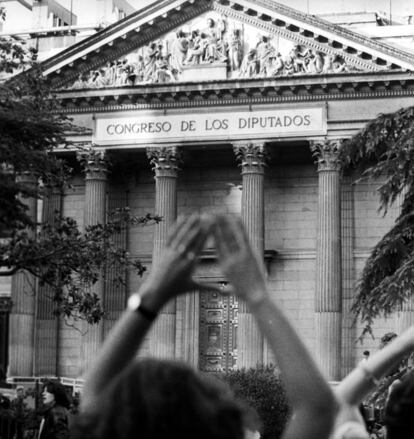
column 31, row 414
column 125, row 396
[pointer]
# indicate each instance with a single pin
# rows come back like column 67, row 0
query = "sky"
column 90, row 12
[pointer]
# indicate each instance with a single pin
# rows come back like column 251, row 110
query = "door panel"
column 218, row 329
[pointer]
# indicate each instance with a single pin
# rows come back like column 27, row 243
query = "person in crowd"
column 55, row 420
column 7, row 420
column 365, row 357
column 125, row 397
column 399, row 410
column 3, row 380
column 351, row 391
column 20, row 410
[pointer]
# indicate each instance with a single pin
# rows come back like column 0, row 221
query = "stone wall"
column 291, row 196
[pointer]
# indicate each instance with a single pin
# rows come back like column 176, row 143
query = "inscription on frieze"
column 143, row 127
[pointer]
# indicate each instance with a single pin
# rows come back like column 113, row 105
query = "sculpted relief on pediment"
column 212, row 47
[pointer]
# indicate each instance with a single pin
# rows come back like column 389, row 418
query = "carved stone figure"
column 138, row 69
column 249, row 67
column 179, row 51
column 276, row 65
column 163, row 72
column 328, row 63
column 314, row 62
column 264, row 50
column 299, row 58
column 149, row 61
column 289, row 64
column 235, row 50
column 214, row 46
column 339, row 65
column 196, row 49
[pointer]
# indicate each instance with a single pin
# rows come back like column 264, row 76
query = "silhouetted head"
column 4, row 402
column 399, row 410
column 158, row 398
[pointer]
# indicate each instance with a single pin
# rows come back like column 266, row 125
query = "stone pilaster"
column 165, row 162
column 251, row 157
column 48, row 325
column 96, row 169
column 328, row 295
column 23, row 314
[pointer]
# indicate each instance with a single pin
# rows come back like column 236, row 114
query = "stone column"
column 96, row 170
column 23, row 314
column 47, row 332
column 328, row 295
column 116, row 292
column 251, row 156
column 165, row 162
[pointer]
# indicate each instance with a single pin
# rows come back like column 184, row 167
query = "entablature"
column 234, row 92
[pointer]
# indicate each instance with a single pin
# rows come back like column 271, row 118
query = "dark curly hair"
column 58, row 390
column 158, row 398
column 399, row 410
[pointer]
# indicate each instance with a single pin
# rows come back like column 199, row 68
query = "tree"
column 384, row 150
column 58, row 254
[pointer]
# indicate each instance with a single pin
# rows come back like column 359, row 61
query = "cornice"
column 239, row 92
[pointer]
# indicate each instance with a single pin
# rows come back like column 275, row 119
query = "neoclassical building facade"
column 222, row 106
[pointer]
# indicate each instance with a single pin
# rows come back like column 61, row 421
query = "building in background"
column 213, row 105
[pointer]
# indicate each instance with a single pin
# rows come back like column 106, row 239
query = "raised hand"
column 172, row 275
column 237, row 259
column 310, row 397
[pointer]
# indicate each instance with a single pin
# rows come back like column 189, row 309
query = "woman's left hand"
column 172, row 274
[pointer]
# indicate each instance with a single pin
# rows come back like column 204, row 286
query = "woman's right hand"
column 237, row 259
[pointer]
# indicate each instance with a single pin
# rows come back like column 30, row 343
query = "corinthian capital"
column 95, row 163
column 251, row 156
column 165, row 161
column 326, row 154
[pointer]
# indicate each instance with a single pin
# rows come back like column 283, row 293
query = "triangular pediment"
column 238, row 39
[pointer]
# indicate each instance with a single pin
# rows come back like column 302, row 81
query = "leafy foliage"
column 71, row 262
column 31, row 128
column 384, row 151
column 379, row 396
column 262, row 389
column 65, row 260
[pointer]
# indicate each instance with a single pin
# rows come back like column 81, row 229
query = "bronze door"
column 218, row 332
